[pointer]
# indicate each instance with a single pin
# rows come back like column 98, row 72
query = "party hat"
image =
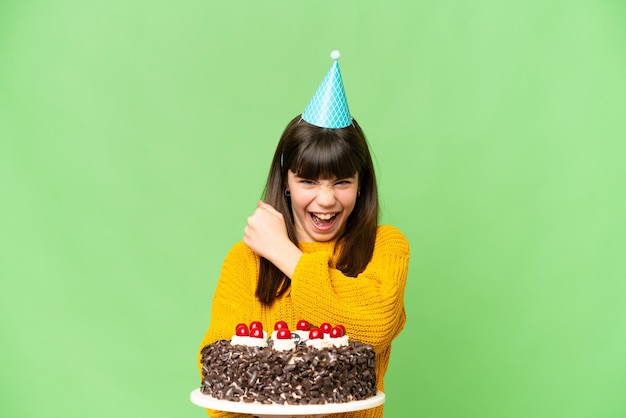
column 328, row 108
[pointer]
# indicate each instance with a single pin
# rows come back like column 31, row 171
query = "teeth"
column 324, row 216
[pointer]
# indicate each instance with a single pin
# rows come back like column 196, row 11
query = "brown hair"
column 313, row 152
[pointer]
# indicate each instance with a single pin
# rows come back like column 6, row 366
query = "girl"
column 313, row 248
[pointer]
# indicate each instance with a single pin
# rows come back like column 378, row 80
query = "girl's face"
column 321, row 207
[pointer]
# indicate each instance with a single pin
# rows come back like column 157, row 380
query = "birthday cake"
column 312, row 365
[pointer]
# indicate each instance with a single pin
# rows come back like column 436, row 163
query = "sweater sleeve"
column 371, row 305
column 234, row 294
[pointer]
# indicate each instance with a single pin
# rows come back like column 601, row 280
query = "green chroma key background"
column 135, row 138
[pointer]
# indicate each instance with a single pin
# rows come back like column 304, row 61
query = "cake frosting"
column 312, row 365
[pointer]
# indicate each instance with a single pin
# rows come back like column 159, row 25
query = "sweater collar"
column 315, row 246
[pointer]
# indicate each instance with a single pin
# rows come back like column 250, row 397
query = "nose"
column 326, row 196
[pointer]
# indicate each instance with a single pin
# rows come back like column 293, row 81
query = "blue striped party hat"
column 328, row 108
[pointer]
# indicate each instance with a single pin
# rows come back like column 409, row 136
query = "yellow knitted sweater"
column 370, row 306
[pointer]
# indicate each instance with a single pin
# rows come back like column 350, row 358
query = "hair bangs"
column 326, row 158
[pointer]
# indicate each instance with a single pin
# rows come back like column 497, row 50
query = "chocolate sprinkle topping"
column 304, row 375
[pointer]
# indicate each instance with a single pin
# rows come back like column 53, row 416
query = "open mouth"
column 323, row 220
